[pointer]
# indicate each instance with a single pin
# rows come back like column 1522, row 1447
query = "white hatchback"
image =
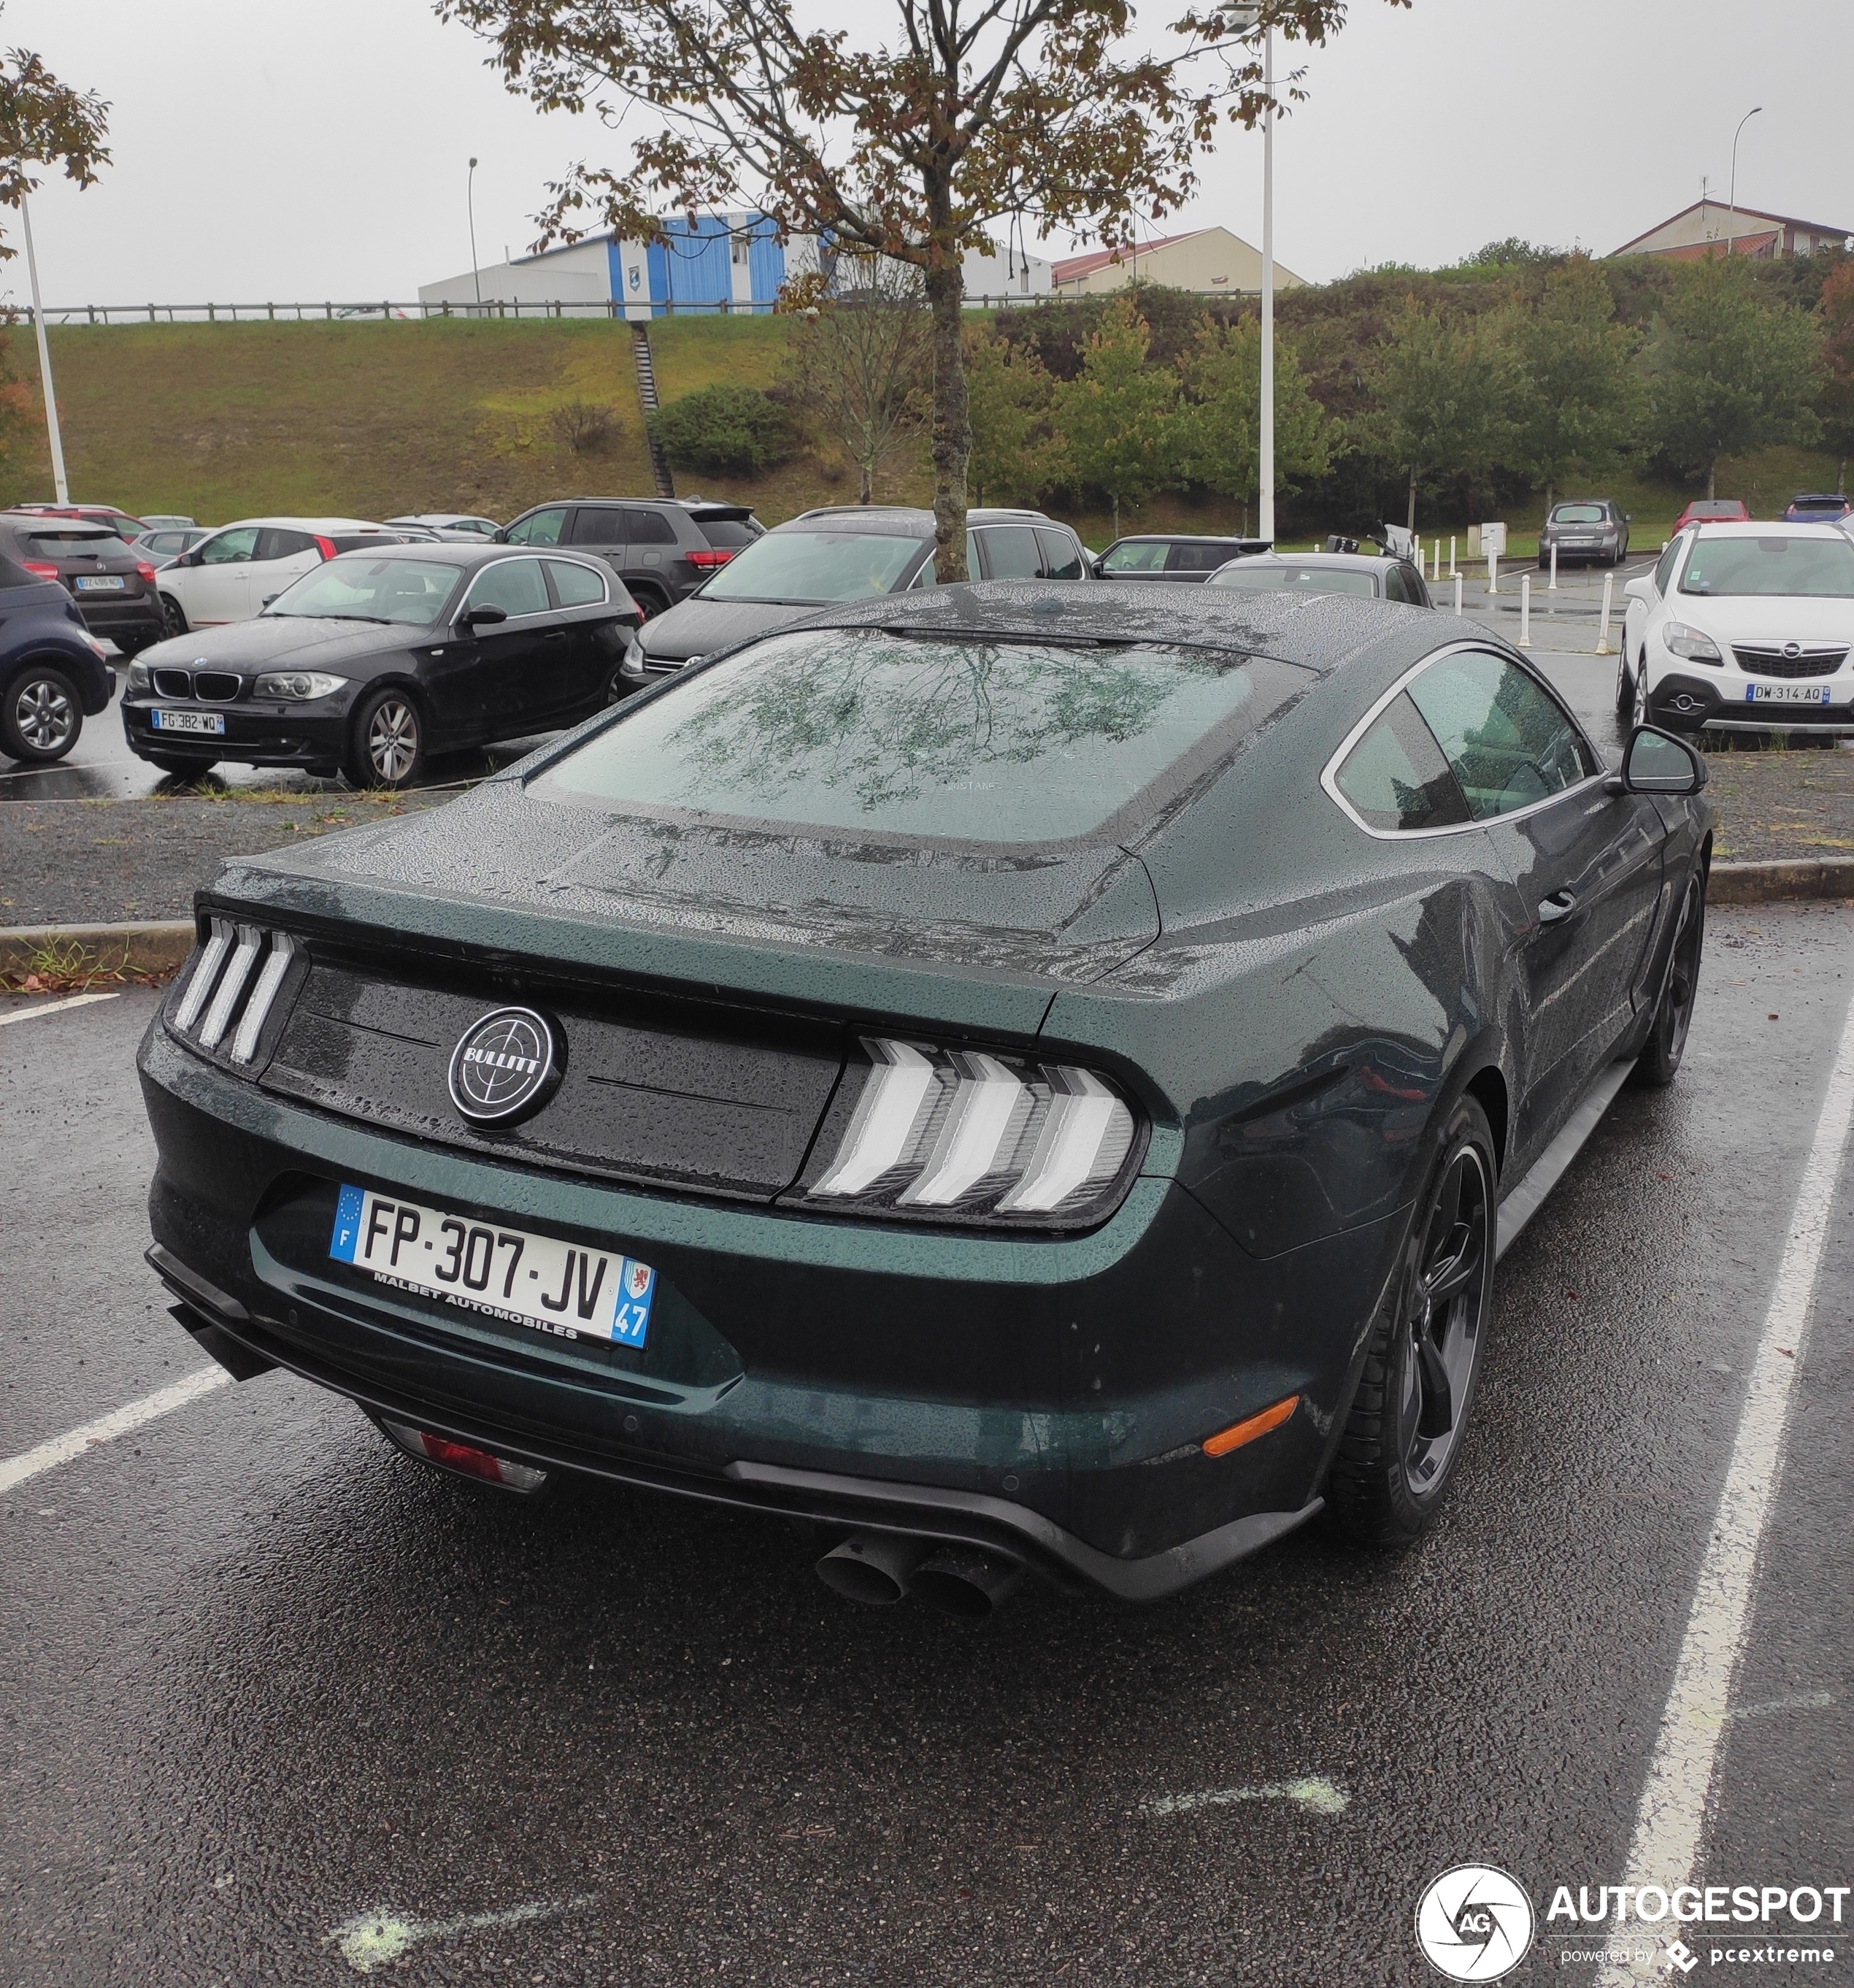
column 1743, row 627
column 230, row 575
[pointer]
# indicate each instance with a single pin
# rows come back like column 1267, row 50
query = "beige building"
column 1708, row 225
column 1211, row 261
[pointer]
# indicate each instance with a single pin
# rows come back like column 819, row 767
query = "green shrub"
column 736, row 429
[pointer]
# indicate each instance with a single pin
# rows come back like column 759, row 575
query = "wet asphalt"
column 281, row 1706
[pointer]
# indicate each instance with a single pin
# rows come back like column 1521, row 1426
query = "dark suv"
column 112, row 585
column 661, row 549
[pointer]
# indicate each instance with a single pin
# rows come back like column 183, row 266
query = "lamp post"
column 470, row 205
column 44, row 361
column 1265, row 521
column 1731, row 221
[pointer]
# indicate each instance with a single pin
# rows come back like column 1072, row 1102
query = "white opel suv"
column 1743, row 627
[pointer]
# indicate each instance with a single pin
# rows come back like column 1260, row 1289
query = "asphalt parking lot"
column 282, row 1706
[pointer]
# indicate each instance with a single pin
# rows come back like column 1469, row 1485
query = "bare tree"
column 861, row 358
column 906, row 136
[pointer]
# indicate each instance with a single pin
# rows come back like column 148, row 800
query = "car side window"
column 1508, row 741
column 1135, row 558
column 1199, row 559
column 1011, row 553
column 1062, row 554
column 515, row 586
column 1393, row 584
column 1396, row 776
column 574, row 585
column 1664, row 569
column 276, row 543
column 232, row 548
column 649, row 528
column 543, row 529
column 598, row 524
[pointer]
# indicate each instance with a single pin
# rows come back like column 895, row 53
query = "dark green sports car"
column 1023, row 1076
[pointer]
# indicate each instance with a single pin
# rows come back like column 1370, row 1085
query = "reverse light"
column 297, row 686
column 969, row 1135
column 1691, row 644
column 719, row 556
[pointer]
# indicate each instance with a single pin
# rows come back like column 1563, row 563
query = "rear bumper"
column 1046, row 1398
column 104, row 617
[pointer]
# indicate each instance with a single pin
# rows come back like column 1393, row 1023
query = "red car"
column 1710, row 511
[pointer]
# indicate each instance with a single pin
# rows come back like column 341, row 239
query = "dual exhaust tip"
column 880, row 1569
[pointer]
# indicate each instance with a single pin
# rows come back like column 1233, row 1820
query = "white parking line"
column 62, row 1449
column 54, row 1007
column 1670, row 1821
column 1315, row 1792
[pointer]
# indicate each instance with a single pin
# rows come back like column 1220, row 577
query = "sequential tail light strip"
column 884, row 1116
column 984, row 1104
column 1238, row 1433
column 204, row 975
column 250, row 1024
column 1080, row 1118
column 218, row 1016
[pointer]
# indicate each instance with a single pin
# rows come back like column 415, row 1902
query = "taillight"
column 324, row 546
column 719, row 556
column 973, row 1136
column 144, row 569
column 39, row 567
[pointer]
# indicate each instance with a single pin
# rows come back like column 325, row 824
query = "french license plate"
column 1786, row 693
column 211, row 721
column 563, row 1288
column 100, row 583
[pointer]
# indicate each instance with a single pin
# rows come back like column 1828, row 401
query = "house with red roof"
column 1210, row 261
column 1709, row 227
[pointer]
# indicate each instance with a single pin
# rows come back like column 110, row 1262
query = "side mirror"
column 482, row 617
column 269, row 597
column 1642, row 589
column 1628, row 517
column 499, row 537
column 1656, row 763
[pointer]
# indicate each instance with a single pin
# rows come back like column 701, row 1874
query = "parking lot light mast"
column 45, row 361
column 1266, row 520
column 469, row 207
column 1731, row 219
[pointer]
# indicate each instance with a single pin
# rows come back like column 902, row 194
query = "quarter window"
column 1395, row 775
column 1507, row 740
column 514, row 586
column 649, row 528
column 543, row 529
column 575, row 585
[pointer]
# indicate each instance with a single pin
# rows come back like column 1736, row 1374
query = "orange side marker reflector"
column 1234, row 1437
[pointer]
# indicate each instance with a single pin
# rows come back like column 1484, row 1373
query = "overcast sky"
column 311, row 149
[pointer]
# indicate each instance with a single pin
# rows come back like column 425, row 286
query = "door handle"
column 555, row 635
column 1560, row 905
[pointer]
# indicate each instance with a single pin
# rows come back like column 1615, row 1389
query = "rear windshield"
column 1009, row 741
column 1580, row 514
column 371, row 589
column 728, row 531
column 1270, row 576
column 809, row 568
column 1822, row 568
column 50, row 545
column 1721, row 507
column 1837, row 504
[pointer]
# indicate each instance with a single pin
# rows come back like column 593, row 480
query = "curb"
column 162, row 946
column 138, row 947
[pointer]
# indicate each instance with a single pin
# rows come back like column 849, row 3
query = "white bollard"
column 1493, row 572
column 1451, row 559
column 1602, row 633
column 1525, row 610
column 1437, row 561
column 1554, row 587
column 1457, row 593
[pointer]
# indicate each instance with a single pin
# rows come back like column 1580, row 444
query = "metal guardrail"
column 331, row 312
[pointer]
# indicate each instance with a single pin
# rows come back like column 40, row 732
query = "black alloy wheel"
column 173, row 620
column 1666, row 1042
column 1403, row 1438
column 1624, row 689
column 40, row 717
column 1639, row 713
column 388, row 745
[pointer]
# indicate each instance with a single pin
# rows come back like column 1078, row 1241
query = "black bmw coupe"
column 374, row 660
column 1027, row 1076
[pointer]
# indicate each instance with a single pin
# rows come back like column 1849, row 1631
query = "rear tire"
column 41, row 719
column 174, row 619
column 1402, row 1436
column 386, row 747
column 1667, row 1040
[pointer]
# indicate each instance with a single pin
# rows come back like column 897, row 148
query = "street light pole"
column 1266, row 520
column 44, row 361
column 470, row 204
column 1731, row 222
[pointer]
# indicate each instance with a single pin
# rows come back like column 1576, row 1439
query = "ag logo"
column 504, row 1067
column 1474, row 1923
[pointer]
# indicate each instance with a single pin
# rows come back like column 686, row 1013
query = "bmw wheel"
column 1661, row 1056
column 388, row 745
column 40, row 718
column 1403, row 1437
